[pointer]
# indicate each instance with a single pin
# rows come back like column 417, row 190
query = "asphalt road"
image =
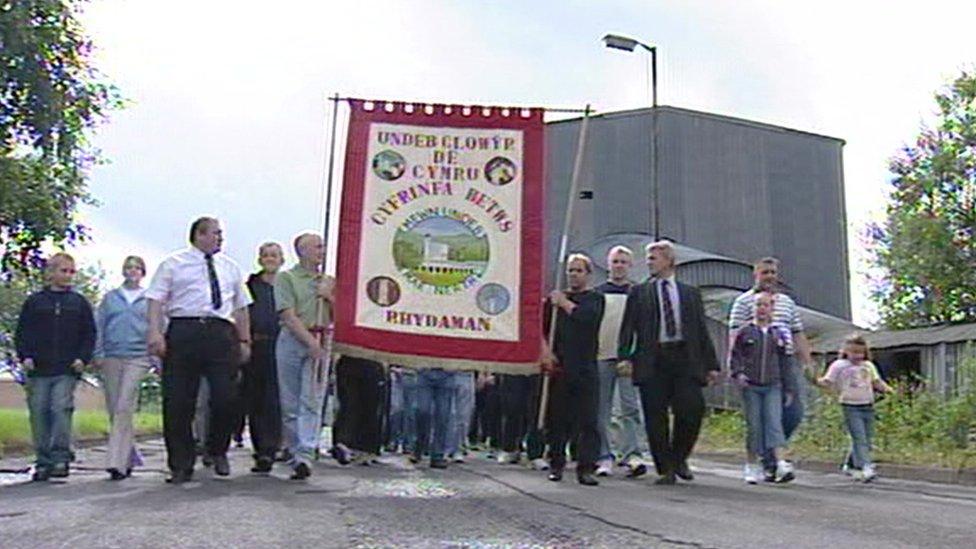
column 479, row 504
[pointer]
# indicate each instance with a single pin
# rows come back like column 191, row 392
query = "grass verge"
column 15, row 433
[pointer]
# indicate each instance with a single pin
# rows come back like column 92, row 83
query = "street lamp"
column 618, row 42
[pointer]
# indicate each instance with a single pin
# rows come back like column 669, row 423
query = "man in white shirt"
column 202, row 293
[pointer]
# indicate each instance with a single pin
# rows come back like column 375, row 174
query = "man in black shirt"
column 574, row 387
column 259, row 385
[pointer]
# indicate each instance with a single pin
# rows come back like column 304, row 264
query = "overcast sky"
column 228, row 113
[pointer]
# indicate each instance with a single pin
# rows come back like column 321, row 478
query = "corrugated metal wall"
column 731, row 187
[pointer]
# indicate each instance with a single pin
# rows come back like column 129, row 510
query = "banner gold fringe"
column 423, row 362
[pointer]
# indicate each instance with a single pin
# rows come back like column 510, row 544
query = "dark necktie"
column 215, row 299
column 670, row 326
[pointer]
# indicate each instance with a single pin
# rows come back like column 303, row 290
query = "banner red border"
column 530, row 121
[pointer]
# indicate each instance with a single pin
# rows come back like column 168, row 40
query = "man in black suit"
column 664, row 341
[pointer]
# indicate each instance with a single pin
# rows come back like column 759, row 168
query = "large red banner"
column 440, row 236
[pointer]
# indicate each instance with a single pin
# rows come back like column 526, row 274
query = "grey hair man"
column 618, row 438
column 304, row 298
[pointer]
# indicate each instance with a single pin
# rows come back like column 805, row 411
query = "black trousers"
column 361, row 388
column 671, row 388
column 196, row 348
column 573, row 405
column 489, row 414
column 515, row 392
column 259, row 398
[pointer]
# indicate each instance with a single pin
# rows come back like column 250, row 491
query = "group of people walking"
column 624, row 355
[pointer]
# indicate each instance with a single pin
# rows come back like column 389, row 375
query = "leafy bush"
column 912, row 427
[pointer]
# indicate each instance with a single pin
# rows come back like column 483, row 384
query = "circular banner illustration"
column 389, row 165
column 493, row 299
column 445, row 252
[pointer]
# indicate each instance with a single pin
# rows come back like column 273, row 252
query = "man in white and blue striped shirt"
column 786, row 315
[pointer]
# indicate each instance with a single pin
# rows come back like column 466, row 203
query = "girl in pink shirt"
column 856, row 379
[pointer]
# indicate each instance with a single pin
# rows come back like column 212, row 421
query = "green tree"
column 51, row 99
column 925, row 249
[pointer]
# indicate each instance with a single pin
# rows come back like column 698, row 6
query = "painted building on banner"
column 730, row 187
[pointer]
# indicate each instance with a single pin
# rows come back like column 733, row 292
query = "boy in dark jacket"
column 760, row 365
column 55, row 338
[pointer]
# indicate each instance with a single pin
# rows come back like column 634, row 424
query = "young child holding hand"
column 856, row 379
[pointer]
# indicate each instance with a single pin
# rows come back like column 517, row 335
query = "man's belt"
column 200, row 320
column 318, row 329
column 672, row 344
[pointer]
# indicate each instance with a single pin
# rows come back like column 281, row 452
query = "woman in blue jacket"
column 123, row 359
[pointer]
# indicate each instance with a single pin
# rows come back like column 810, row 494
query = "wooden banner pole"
column 563, row 245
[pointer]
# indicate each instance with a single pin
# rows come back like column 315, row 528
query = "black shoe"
column 340, row 453
column 302, row 472
column 221, row 466
column 180, row 477
column 128, row 472
column 262, row 464
column 41, row 474
column 115, row 474
column 556, row 475
column 587, row 479
column 207, row 460
column 666, row 480
column 59, row 470
column 439, row 463
column 684, row 472
column 637, row 471
column 414, row 458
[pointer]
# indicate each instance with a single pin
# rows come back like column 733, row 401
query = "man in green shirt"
column 304, row 300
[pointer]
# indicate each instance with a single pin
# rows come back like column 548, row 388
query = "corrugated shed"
column 932, row 335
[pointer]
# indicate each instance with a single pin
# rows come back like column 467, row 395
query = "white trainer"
column 504, row 457
column 784, row 471
column 540, row 464
column 752, row 473
column 604, row 468
column 868, row 473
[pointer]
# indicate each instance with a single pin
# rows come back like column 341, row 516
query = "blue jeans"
column 860, row 425
column 435, row 391
column 302, row 398
column 619, row 414
column 462, row 411
column 403, row 397
column 764, row 422
column 793, row 414
column 51, row 401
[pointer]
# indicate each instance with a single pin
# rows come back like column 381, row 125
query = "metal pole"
column 654, row 77
column 321, row 373
column 563, row 245
column 655, row 182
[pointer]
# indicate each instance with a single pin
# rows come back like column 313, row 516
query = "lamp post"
column 618, row 42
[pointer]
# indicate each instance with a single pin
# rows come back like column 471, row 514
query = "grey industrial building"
column 729, row 187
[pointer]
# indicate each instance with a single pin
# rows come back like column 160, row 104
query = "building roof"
column 931, row 335
column 702, row 114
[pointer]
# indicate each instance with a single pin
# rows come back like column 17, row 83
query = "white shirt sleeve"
column 242, row 296
column 162, row 282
